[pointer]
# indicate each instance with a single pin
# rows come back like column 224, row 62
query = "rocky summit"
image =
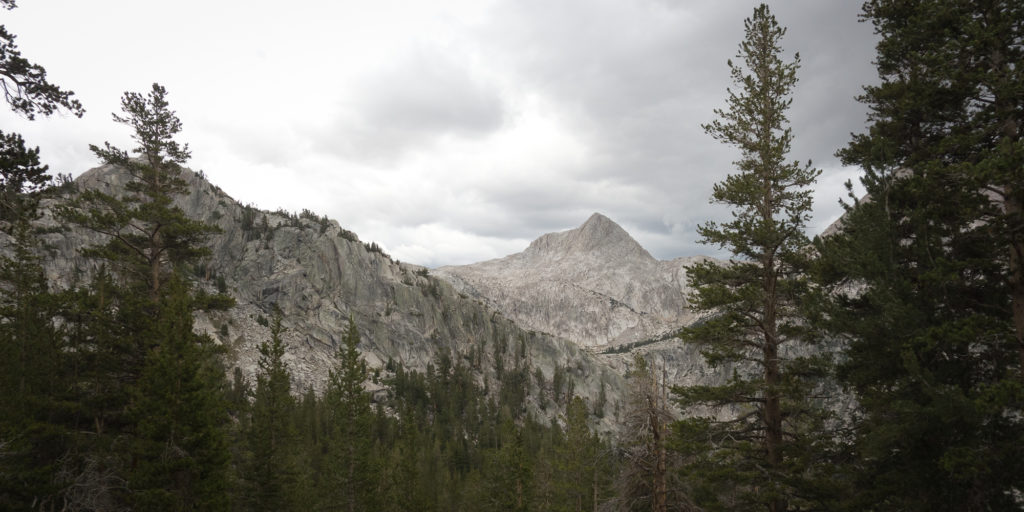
column 593, row 285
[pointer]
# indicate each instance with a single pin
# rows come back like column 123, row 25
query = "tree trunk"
column 772, row 379
column 660, row 467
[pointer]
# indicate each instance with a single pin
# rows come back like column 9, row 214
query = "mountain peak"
column 598, row 234
column 593, row 284
column 597, row 221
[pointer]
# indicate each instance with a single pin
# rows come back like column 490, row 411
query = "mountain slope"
column 594, row 285
column 320, row 275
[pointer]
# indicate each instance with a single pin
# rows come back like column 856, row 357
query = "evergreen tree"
column 750, row 433
column 148, row 234
column 31, row 345
column 273, row 473
column 925, row 276
column 272, row 438
column 33, row 408
column 351, row 477
column 179, row 452
column 24, row 83
column 153, row 389
column 510, row 472
column 581, row 469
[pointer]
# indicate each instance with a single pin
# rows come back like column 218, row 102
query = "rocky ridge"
column 594, row 285
column 320, row 275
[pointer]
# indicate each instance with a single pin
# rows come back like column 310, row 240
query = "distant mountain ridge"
column 320, row 275
column 593, row 285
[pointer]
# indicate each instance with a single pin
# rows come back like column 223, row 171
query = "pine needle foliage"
column 926, row 278
column 751, row 441
column 273, row 474
column 148, row 234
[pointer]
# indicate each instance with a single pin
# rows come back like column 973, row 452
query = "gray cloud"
column 410, row 104
column 455, row 132
column 637, row 79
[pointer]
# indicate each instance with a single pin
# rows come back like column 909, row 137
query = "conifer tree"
column 579, row 462
column 148, row 234
column 748, row 434
column 24, row 82
column 33, row 412
column 273, row 474
column 925, row 275
column 31, row 345
column 155, row 388
column 179, row 455
column 351, row 477
column 510, row 472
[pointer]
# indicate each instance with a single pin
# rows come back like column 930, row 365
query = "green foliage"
column 349, row 481
column 34, row 376
column 22, row 180
column 925, row 277
column 179, row 453
column 323, row 221
column 582, row 467
column 273, row 437
column 348, row 235
column 32, row 359
column 25, row 86
column 149, row 235
column 147, row 393
column 744, row 441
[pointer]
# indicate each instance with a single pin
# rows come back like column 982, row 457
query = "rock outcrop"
column 320, row 275
column 594, row 285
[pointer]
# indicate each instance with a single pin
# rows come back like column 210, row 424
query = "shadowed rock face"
column 594, row 285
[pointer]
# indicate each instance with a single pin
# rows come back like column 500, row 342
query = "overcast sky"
column 449, row 132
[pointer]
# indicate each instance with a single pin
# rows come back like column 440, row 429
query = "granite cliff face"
column 320, row 275
column 594, row 285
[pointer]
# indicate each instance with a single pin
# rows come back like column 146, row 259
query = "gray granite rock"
column 594, row 285
column 320, row 275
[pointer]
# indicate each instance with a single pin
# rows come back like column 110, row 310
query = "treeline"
column 431, row 441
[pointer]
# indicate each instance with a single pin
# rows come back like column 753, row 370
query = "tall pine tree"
column 179, row 452
column 33, row 406
column 148, row 235
column 273, row 472
column 31, row 344
column 926, row 277
column 750, row 439
column 351, row 477
column 156, row 388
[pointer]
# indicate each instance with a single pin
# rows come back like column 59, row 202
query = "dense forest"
column 912, row 311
